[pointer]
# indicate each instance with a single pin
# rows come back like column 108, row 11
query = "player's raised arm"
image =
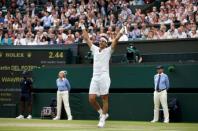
column 85, row 35
column 115, row 40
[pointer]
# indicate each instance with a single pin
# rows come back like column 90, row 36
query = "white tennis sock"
column 100, row 111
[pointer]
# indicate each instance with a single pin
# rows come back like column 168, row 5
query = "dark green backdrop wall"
column 123, row 106
column 122, row 76
column 131, row 90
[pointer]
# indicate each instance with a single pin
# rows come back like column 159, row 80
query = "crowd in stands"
column 48, row 22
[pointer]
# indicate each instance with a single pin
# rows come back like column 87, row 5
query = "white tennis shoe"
column 29, row 117
column 166, row 121
column 56, row 118
column 102, row 120
column 70, row 118
column 20, row 117
column 153, row 121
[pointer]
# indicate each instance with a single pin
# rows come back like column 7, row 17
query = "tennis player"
column 100, row 82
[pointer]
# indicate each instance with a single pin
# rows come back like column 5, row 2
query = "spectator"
column 112, row 20
column 136, row 32
column 126, row 12
column 75, row 27
column 129, row 33
column 70, row 39
column 64, row 36
column 161, row 34
column 1, row 36
column 139, row 2
column 155, row 32
column 196, row 17
column 120, row 21
column 150, row 35
column 52, row 40
column 181, row 34
column 32, row 41
column 172, row 33
column 183, row 19
column 50, row 31
column 47, row 21
column 39, row 36
column 166, row 20
column 15, row 25
column 1, row 17
column 11, row 35
column 55, row 21
column 188, row 28
column 13, row 4
column 8, row 17
column 99, row 23
column 49, row 7
column 144, row 31
column 20, row 30
column 109, row 31
column 60, row 40
column 74, row 16
column 19, row 40
column 78, row 38
column 193, row 33
column 66, row 25
column 20, row 3
column 38, row 26
column 32, row 10
column 103, row 9
column 143, row 19
column 138, row 17
column 43, row 41
column 28, row 38
column 70, row 33
column 154, row 10
column 6, row 40
column 93, row 38
column 98, row 15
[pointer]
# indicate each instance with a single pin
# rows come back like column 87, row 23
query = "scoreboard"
column 14, row 61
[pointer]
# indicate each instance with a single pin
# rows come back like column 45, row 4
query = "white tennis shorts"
column 100, row 85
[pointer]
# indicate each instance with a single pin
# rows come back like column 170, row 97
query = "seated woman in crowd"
column 6, row 40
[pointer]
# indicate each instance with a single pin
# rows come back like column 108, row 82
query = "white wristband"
column 125, row 29
column 122, row 30
column 82, row 26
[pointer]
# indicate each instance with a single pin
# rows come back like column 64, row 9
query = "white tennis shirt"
column 101, row 60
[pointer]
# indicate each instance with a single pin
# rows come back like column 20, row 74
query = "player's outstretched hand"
column 81, row 24
column 123, row 30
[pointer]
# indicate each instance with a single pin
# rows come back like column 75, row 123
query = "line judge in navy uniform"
column 161, row 82
column 26, row 89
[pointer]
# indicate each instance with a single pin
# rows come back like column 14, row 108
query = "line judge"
column 161, row 82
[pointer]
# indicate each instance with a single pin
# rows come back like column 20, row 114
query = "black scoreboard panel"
column 14, row 61
column 36, row 57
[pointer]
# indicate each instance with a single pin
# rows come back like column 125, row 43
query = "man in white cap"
column 100, row 82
